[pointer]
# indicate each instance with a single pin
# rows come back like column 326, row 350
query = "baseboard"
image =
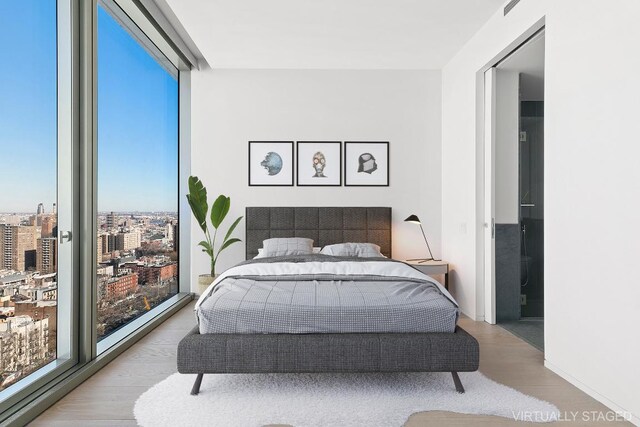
column 475, row 318
column 635, row 419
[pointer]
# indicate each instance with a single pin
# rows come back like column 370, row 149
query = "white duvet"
column 376, row 268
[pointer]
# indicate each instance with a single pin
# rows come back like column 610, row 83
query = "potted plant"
column 197, row 198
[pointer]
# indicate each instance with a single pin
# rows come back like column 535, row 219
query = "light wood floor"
column 107, row 398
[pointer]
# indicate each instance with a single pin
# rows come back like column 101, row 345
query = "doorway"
column 514, row 191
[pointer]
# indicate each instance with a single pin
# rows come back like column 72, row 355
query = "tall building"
column 168, row 231
column 106, row 244
column 47, row 255
column 176, row 237
column 101, row 246
column 112, row 242
column 128, row 241
column 48, row 224
column 25, row 244
column 5, row 246
column 17, row 246
column 111, row 221
column 40, row 210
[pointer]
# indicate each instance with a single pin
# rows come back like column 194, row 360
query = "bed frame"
column 325, row 353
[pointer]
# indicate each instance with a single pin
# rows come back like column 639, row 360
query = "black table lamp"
column 414, row 219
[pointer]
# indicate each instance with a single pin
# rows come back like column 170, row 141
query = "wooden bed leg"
column 457, row 382
column 196, row 385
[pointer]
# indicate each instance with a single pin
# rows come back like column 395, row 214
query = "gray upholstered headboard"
column 325, row 225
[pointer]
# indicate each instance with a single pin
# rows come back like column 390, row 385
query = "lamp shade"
column 413, row 218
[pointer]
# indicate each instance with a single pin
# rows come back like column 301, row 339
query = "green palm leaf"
column 219, row 210
column 233, row 226
column 227, row 244
column 197, row 199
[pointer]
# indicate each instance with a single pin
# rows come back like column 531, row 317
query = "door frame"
column 485, row 252
column 489, row 201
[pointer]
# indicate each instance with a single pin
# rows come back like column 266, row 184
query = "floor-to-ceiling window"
column 28, row 175
column 89, row 134
column 137, row 224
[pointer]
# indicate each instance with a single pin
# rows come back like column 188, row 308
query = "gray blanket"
column 325, row 303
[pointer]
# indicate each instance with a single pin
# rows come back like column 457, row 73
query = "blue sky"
column 137, row 125
column 137, row 116
column 27, row 104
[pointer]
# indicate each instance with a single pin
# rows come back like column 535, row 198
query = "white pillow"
column 362, row 250
column 287, row 246
column 316, row 250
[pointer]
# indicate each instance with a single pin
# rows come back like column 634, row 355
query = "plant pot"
column 204, row 280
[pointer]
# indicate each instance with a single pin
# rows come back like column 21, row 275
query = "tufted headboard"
column 325, row 225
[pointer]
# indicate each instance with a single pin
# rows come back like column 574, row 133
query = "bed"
column 325, row 314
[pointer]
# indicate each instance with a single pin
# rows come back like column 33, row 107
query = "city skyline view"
column 29, row 212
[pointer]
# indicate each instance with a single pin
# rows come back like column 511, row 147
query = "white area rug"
column 325, row 399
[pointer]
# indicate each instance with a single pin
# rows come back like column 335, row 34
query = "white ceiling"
column 331, row 34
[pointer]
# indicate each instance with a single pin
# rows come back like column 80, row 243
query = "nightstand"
column 432, row 268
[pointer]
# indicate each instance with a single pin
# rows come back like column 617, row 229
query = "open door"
column 511, row 172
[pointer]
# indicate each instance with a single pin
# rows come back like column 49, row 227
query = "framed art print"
column 271, row 163
column 366, row 164
column 319, row 163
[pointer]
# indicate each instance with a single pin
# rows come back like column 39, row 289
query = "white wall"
column 232, row 107
column 592, row 184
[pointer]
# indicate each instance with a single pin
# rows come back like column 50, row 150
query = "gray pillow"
column 316, row 250
column 362, row 250
column 286, row 246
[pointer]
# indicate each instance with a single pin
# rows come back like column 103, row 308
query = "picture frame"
column 270, row 163
column 366, row 164
column 319, row 163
